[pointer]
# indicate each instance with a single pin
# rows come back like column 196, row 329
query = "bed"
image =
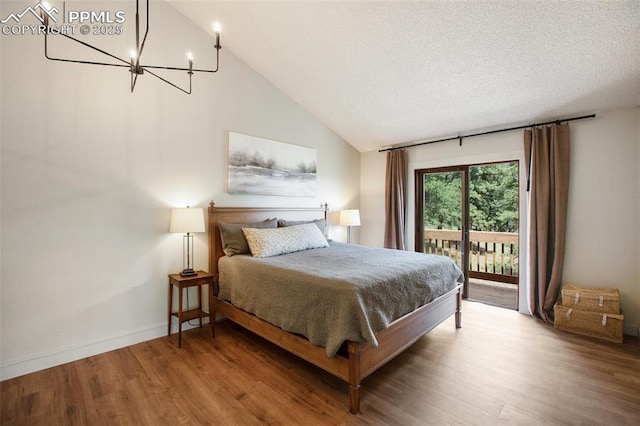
column 378, row 338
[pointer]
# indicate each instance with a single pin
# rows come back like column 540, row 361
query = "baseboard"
column 30, row 364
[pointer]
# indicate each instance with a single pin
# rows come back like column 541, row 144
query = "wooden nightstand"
column 180, row 282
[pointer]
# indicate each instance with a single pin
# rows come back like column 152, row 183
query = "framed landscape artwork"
column 266, row 167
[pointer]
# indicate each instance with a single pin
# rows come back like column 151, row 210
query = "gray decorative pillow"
column 320, row 223
column 233, row 241
column 273, row 242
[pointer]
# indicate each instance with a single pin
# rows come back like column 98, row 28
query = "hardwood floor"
column 500, row 368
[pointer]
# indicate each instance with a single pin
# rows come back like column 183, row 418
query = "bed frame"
column 360, row 359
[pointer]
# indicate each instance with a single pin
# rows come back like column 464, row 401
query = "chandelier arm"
column 158, row 67
column 46, row 53
column 212, row 71
column 218, row 47
column 170, row 83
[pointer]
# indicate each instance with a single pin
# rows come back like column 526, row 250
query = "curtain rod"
column 582, row 117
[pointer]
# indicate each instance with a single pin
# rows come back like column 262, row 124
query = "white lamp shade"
column 184, row 220
column 350, row 217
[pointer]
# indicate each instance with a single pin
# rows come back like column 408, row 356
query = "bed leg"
column 354, row 399
column 354, row 377
column 459, row 309
column 212, row 313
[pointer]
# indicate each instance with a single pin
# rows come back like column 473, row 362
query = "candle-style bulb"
column 190, row 56
column 44, row 13
column 133, row 54
column 217, row 28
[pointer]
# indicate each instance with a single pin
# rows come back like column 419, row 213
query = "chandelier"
column 136, row 68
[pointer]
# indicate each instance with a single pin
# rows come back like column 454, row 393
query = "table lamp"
column 349, row 218
column 187, row 221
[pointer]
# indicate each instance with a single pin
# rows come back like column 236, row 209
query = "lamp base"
column 188, row 273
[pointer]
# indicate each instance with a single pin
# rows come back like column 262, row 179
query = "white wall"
column 603, row 229
column 603, row 235
column 89, row 173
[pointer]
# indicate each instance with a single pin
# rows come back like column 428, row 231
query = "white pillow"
column 276, row 241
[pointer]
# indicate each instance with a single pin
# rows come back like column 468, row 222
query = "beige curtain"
column 547, row 166
column 395, row 199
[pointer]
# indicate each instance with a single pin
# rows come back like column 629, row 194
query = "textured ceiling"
column 380, row 73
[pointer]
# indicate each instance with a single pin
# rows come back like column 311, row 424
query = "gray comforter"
column 343, row 292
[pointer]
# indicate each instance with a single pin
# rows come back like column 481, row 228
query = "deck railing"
column 493, row 255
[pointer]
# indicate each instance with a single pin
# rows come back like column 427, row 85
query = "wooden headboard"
column 251, row 214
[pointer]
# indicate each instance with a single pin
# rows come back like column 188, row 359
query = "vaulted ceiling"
column 382, row 73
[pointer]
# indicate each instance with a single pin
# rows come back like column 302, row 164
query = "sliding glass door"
column 441, row 214
column 470, row 214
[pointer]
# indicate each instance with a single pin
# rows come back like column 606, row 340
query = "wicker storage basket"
column 594, row 324
column 605, row 300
